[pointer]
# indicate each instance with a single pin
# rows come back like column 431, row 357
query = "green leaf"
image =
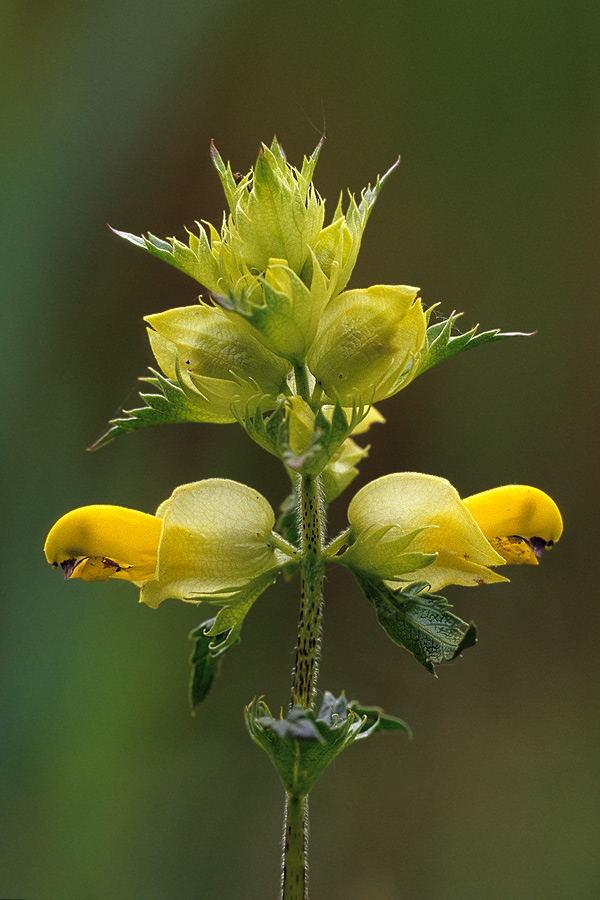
column 418, row 621
column 301, row 744
column 217, row 635
column 196, row 260
column 206, row 660
column 442, row 344
column 377, row 721
column 175, row 404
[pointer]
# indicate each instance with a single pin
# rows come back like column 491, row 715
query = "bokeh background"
column 110, row 788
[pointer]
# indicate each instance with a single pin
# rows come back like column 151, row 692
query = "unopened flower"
column 274, row 211
column 221, row 355
column 366, row 342
column 282, row 310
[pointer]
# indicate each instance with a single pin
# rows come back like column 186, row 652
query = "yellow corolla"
column 519, row 521
column 100, row 542
column 211, row 537
column 509, row 524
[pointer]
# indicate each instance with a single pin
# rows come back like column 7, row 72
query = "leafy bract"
column 175, row 403
column 323, row 432
column 442, row 344
column 419, row 621
column 381, row 550
column 337, row 246
column 302, row 743
column 197, row 259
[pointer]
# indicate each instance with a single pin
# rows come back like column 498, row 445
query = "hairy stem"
column 311, row 594
column 294, row 879
column 294, row 876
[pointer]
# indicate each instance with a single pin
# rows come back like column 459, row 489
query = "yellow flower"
column 448, row 540
column 209, row 538
column 100, row 542
column 518, row 521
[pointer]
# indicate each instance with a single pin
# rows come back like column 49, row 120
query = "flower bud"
column 366, row 341
column 276, row 213
column 209, row 343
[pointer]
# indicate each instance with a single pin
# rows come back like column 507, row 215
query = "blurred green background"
column 110, row 788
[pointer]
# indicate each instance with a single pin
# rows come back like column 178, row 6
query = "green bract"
column 282, row 309
column 302, row 744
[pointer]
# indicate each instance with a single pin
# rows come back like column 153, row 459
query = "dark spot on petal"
column 68, row 567
column 537, row 544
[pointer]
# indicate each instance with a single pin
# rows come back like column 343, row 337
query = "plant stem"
column 294, row 876
column 294, row 879
column 302, row 384
column 311, row 594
